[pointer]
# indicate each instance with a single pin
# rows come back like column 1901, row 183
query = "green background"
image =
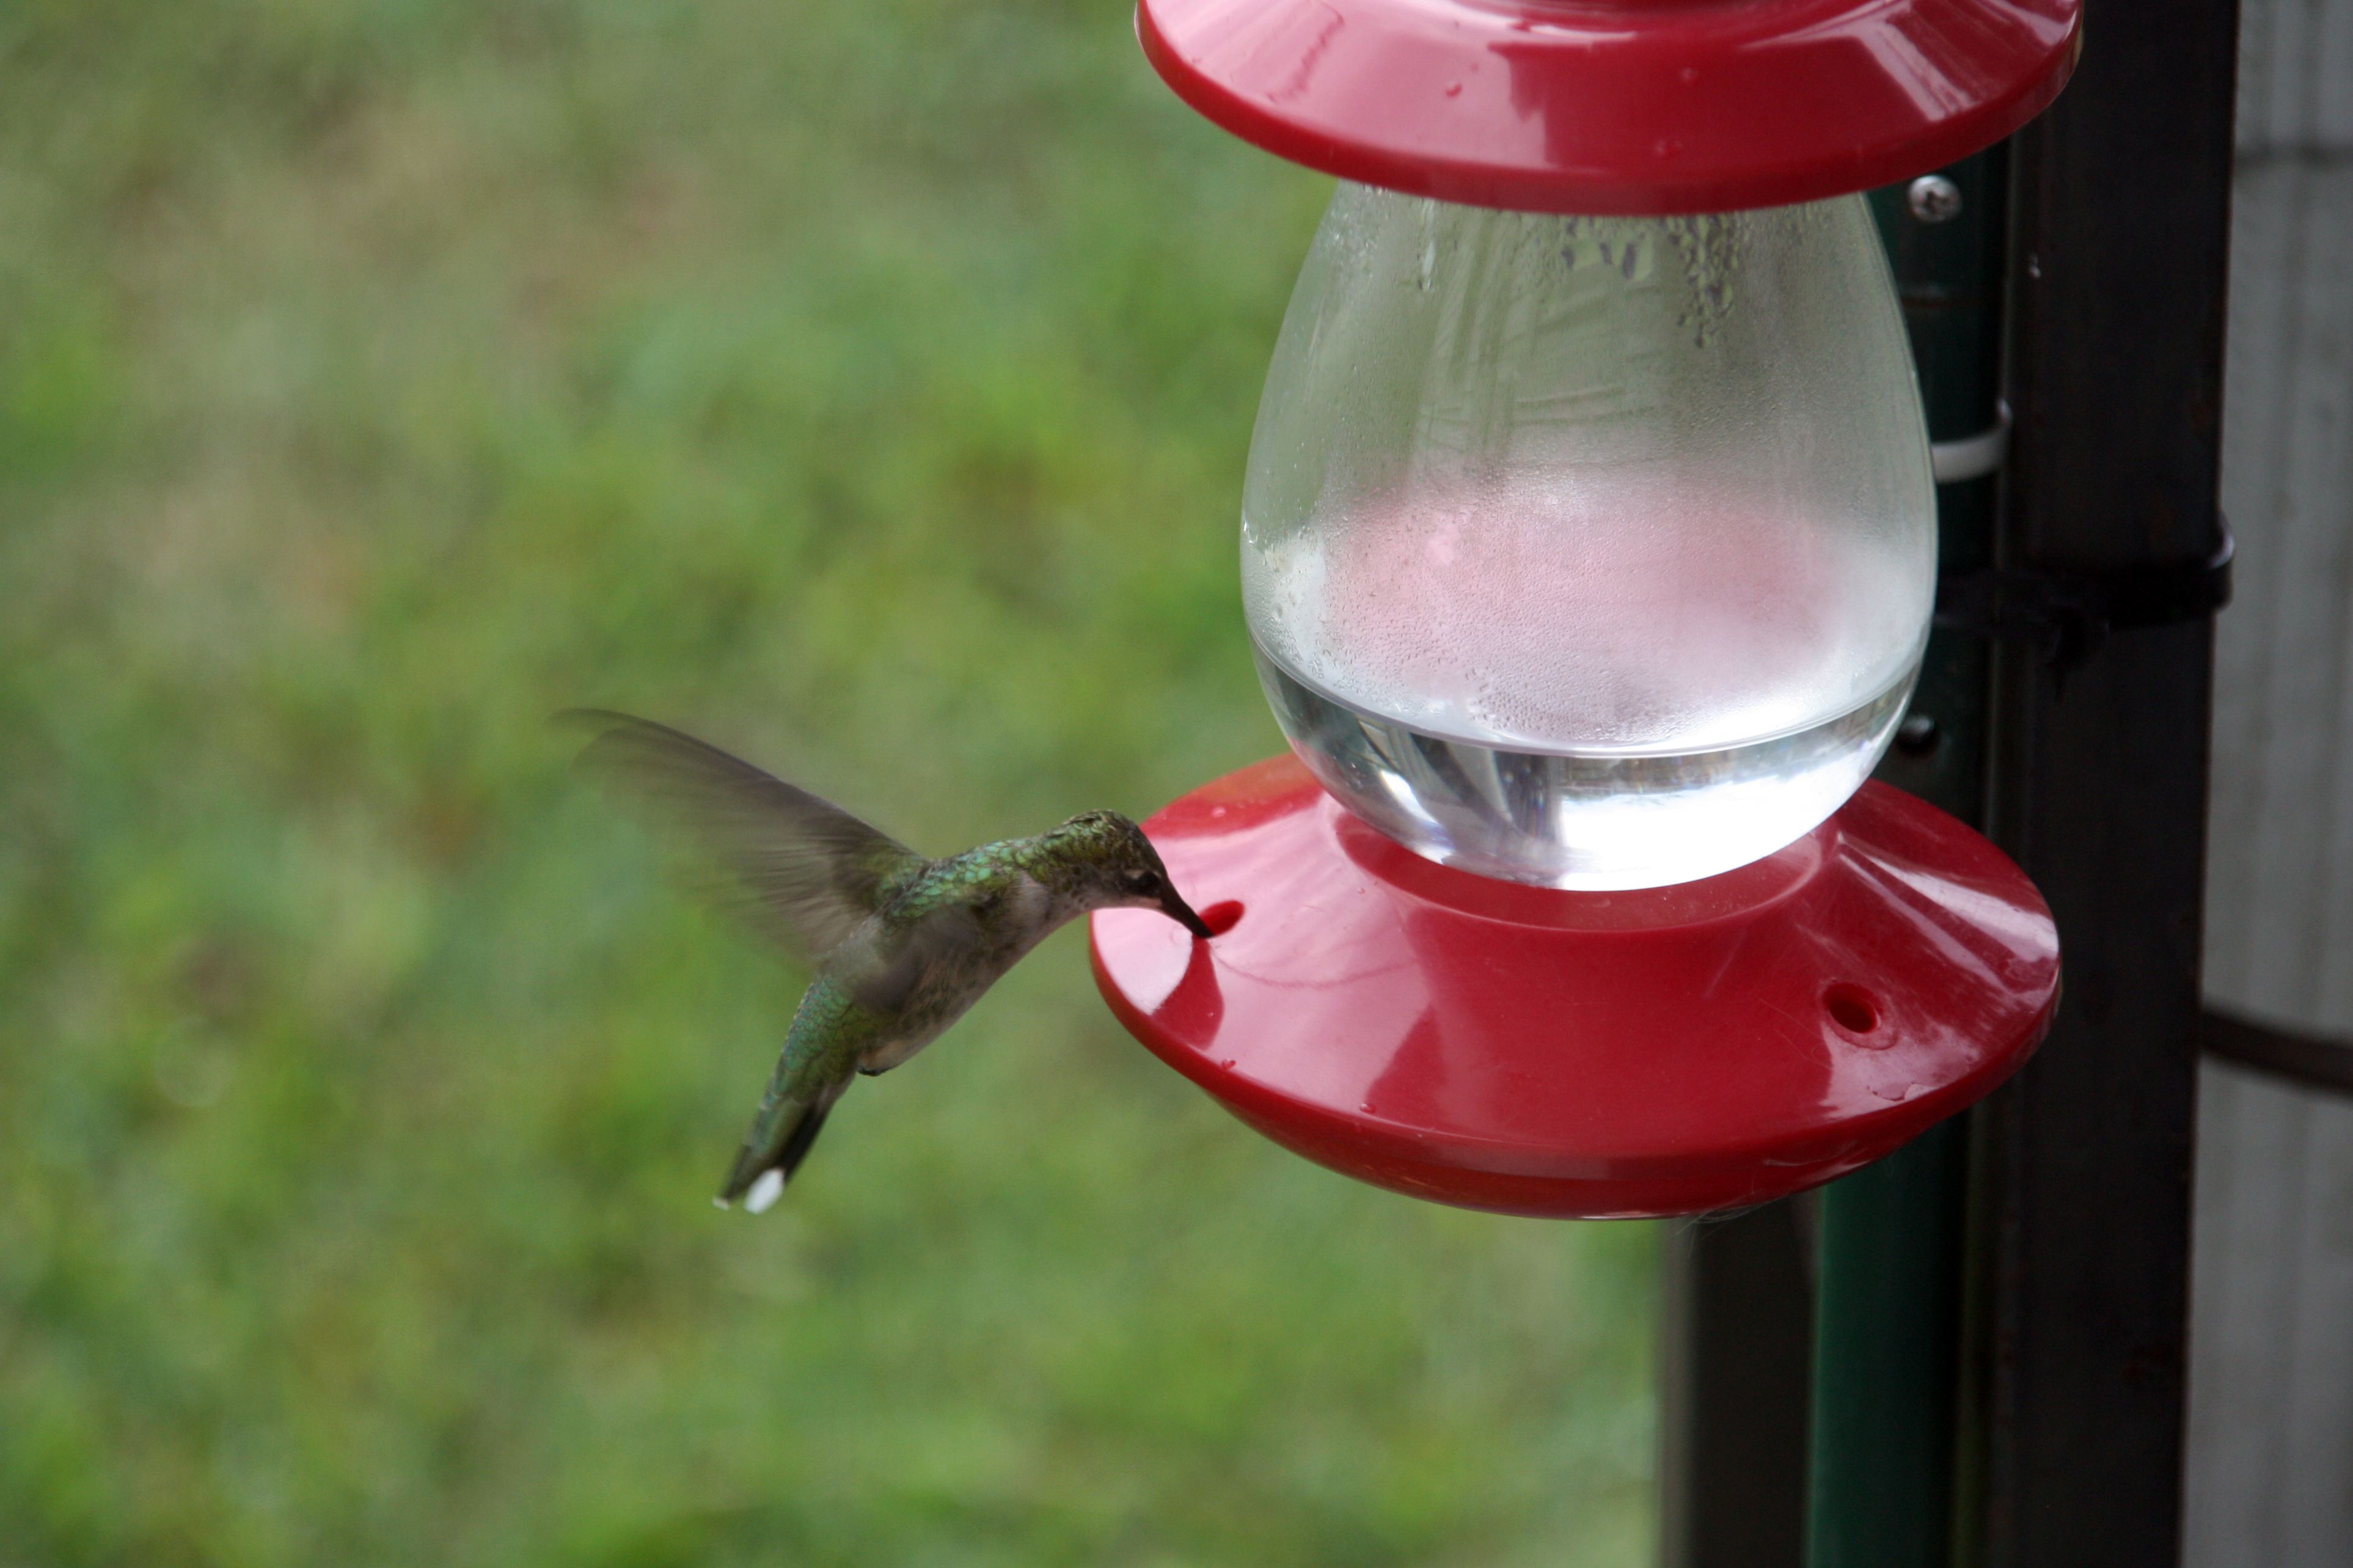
column 866, row 387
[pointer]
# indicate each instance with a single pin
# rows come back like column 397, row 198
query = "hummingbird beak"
column 1177, row 909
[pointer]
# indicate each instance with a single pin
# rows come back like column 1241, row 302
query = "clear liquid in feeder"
column 1592, row 552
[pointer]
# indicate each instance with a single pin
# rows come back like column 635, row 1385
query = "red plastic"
column 1582, row 1054
column 1626, row 107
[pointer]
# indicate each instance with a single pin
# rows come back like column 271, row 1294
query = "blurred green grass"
column 864, row 385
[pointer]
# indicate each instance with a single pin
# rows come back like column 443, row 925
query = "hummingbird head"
column 1108, row 864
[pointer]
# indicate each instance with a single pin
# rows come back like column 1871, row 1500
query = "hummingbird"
column 902, row 945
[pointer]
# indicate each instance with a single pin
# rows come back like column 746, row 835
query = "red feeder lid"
column 1589, row 1056
column 1625, row 107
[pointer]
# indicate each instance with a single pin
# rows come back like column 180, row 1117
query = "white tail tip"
column 765, row 1192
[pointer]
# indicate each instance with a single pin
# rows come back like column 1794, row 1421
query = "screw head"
column 1934, row 198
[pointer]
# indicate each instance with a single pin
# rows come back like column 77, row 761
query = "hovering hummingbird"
column 902, row 945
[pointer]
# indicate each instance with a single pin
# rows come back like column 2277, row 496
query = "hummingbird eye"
column 1143, row 880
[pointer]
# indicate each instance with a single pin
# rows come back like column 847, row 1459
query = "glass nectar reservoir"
column 1590, row 552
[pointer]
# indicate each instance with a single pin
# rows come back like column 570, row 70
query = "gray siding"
column 2271, row 1433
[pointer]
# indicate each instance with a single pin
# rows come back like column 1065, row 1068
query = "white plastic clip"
column 1972, row 457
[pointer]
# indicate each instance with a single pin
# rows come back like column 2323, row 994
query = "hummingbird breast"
column 951, row 953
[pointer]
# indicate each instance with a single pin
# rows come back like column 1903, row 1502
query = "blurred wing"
column 800, row 871
column 885, row 980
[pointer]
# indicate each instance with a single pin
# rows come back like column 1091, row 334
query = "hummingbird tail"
column 773, row 1152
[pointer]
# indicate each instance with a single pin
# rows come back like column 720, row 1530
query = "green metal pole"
column 1887, row 1390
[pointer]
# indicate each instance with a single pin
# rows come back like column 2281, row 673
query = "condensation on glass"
column 1590, row 552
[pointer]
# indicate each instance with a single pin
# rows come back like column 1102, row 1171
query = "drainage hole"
column 1851, row 1008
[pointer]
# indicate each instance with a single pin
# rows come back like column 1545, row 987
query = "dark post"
column 2120, row 230
column 1734, row 1322
column 1888, row 1320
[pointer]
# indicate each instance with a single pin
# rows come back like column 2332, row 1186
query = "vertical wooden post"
column 2120, row 237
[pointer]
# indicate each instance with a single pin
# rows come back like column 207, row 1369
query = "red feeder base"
column 1587, row 1055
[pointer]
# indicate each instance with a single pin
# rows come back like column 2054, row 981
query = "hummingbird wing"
column 798, row 870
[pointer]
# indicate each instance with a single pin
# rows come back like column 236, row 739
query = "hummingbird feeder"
column 1588, row 552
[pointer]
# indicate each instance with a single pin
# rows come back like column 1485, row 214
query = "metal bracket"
column 2068, row 614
